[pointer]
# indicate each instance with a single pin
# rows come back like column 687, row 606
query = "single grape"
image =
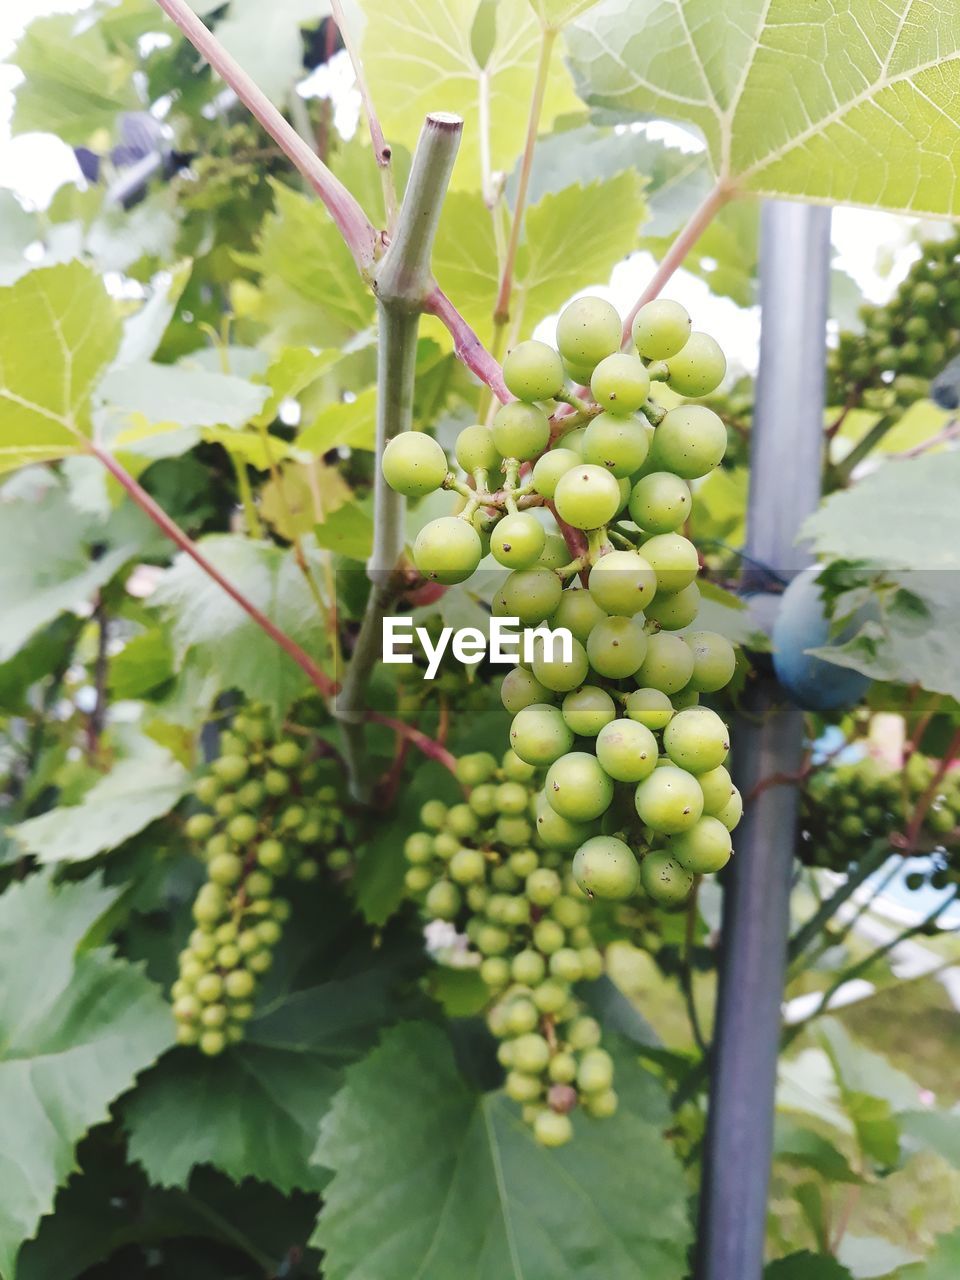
column 531, row 1053
column 531, row 595
column 668, row 664
column 620, row 383
column 661, row 329
column 475, row 768
column 552, row 1129
column 698, row 368
column 622, row 582
column 517, row 541
column 556, row 832
column 467, row 866
column 577, row 787
column 714, row 661
column 566, row 965
column 588, row 709
column 732, row 811
column 476, row 451
column 588, row 330
column 717, row 787
column 595, row 1073
column 705, row 848
column 548, row 937
column 674, row 612
column 619, row 445
column 555, row 552
column 649, row 707
column 664, row 879
column 548, row 470
column 697, row 740
column 674, row 560
column 414, row 464
column 521, row 430
column 601, row 1105
column 539, row 734
column 553, row 673
column 587, row 496
column 660, row 502
column 604, row 867
column 515, row 769
column 616, row 647
column 578, row 613
column 532, row 371
column 690, row 441
column 627, row 750
column 669, row 800
column 447, row 550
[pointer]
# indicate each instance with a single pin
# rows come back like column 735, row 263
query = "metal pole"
column 786, row 458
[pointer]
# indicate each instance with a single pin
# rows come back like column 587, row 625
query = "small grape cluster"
column 850, row 806
column 480, row 863
column 265, row 813
column 906, row 342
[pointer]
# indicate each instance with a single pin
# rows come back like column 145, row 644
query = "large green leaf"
column 180, row 395
column 132, row 795
column 421, row 58
column 254, row 1112
column 223, row 637
column 939, row 1130
column 59, row 330
column 793, row 99
column 436, row 1181
column 75, row 1029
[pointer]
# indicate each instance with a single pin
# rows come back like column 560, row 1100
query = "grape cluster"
column 265, row 813
column 906, row 342
column 481, row 864
column 850, row 806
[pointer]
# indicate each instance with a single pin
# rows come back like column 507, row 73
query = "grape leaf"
column 133, row 794
column 59, row 329
column 76, row 1027
column 465, row 260
column 431, row 1179
column 18, row 230
column 939, row 1130
column 348, row 531
column 254, row 1111
column 421, row 59
column 73, row 83
column 144, row 330
column 223, row 638
column 180, row 396
column 352, row 423
column 806, row 1266
column 942, row 1264
column 792, row 100
column 557, row 13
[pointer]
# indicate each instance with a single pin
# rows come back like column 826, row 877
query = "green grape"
column 674, row 560
column 661, row 329
column 240, row 984
column 242, row 828
column 622, row 582
column 732, row 811
column 697, row 740
column 587, row 497
column 588, row 709
column 552, row 1128
column 433, row 814
column 578, row 612
column 664, row 879
column 225, row 869
column 620, row 383
column 577, row 787
column 212, row 1043
column 495, row 972
column 417, row 880
column 532, row 595
column 198, row 826
column 619, row 445
column 533, row 371
column 521, row 689
column 616, row 647
column 512, row 798
column 543, row 887
column 517, row 541
column 555, row 552
column 566, row 965
column 595, row 1074
column 649, row 707
column 674, row 612
column 714, row 661
column 231, row 769
column 690, row 441
column 414, row 464
column 483, row 801
column 548, row 937
column 627, row 750
column 717, row 787
column 521, row 430
column 560, row 676
column 601, row 1105
column 447, row 550
column 573, row 440
column 562, row 1068
column 588, row 330
column 669, row 800
column 556, row 832
column 478, row 767
column 583, row 1033
column 549, row 469
column 539, row 734
column 207, row 789
column 531, row 1053
column 515, row 769
column 668, row 664
column 476, row 451
column 698, row 368
column 604, row 867
column 462, row 821
column 522, row 1088
column 660, row 502
column 705, row 848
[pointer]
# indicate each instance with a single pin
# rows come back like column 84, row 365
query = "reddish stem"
column 151, row 508
column 422, row 741
column 700, row 219
column 470, row 350
column 922, row 807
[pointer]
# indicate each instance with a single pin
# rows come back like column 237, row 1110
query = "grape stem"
column 699, row 220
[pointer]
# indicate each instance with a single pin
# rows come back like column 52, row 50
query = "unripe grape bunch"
column 481, row 865
column 635, row 767
column 265, row 817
